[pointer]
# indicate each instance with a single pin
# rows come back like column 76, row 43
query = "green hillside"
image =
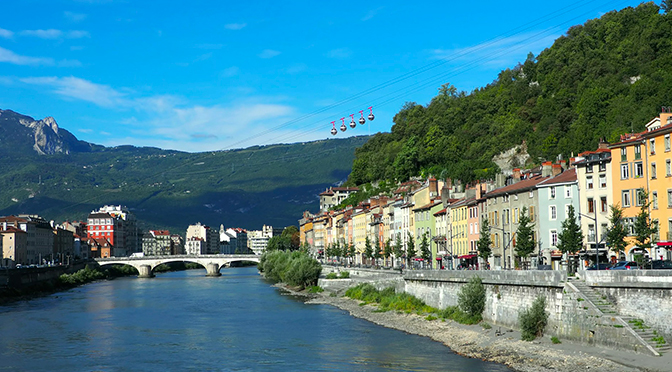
column 244, row 188
column 606, row 77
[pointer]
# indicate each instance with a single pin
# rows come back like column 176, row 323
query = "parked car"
column 661, row 264
column 602, row 266
column 625, row 265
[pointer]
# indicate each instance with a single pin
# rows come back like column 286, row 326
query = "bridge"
column 145, row 265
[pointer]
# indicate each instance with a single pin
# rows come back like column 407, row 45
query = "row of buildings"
column 451, row 215
column 112, row 231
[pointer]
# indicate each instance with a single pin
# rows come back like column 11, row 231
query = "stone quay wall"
column 570, row 316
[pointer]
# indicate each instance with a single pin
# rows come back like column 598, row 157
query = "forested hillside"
column 604, row 78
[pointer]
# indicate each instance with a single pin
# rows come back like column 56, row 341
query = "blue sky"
column 211, row 75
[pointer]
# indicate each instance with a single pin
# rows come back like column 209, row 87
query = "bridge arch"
column 145, row 265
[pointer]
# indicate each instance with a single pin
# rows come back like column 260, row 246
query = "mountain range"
column 46, row 170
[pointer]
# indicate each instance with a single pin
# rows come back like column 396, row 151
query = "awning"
column 664, row 244
column 466, row 256
column 439, row 258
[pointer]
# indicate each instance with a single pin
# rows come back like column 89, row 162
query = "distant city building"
column 333, row 196
column 14, row 246
column 195, row 246
column 257, row 240
column 118, row 226
column 157, row 243
column 209, row 236
column 177, row 246
column 40, row 239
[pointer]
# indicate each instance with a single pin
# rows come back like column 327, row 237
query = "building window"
column 667, row 142
column 554, row 238
column 591, row 205
column 553, row 212
column 640, row 197
column 531, row 211
column 668, row 168
column 591, row 233
column 624, row 154
column 552, row 192
column 589, row 182
column 603, row 181
column 531, row 194
column 638, row 152
column 639, row 170
column 653, row 171
column 515, row 215
column 568, row 191
column 654, row 199
column 589, row 168
column 625, row 198
column 603, row 204
column 652, row 141
column 603, row 167
column 669, row 198
column 625, row 171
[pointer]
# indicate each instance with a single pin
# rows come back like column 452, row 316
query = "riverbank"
column 501, row 345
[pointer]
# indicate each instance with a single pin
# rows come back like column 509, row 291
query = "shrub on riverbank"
column 387, row 299
column 294, row 268
column 471, row 298
column 533, row 320
column 85, row 275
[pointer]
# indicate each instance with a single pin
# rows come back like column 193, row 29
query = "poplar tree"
column 525, row 243
column 398, row 246
column 425, row 253
column 645, row 228
column 570, row 239
column 485, row 242
column 617, row 232
column 410, row 248
column 368, row 251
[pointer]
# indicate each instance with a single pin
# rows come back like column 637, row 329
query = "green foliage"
column 454, row 313
column 525, row 243
column 344, row 275
column 571, row 236
column 410, row 247
column 486, row 325
column 315, row 289
column 617, row 231
column 331, row 276
column 601, row 79
column 388, row 299
column 368, row 250
column 83, row 276
column 398, row 247
column 425, row 253
column 292, row 235
column 293, row 268
column 644, row 226
column 484, row 242
column 471, row 298
column 555, row 340
column 387, row 249
column 533, row 320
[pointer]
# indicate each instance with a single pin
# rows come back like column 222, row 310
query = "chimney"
column 500, row 180
column 546, row 169
column 433, row 187
column 602, row 145
column 516, row 175
column 557, row 169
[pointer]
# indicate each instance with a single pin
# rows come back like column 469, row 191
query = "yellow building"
column 359, row 233
column 460, row 238
column 641, row 161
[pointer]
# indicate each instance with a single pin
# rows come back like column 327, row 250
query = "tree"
column 525, row 243
column 571, row 236
column 410, row 248
column 485, row 242
column 278, row 243
column 398, row 247
column 645, row 228
column 617, row 232
column 368, row 251
column 292, row 235
column 351, row 250
column 666, row 6
column 425, row 253
column 387, row 250
column 377, row 253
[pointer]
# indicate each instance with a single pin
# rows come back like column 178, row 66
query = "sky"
column 213, row 75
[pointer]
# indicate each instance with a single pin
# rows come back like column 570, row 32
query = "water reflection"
column 185, row 321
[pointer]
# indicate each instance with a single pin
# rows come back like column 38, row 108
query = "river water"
column 184, row 321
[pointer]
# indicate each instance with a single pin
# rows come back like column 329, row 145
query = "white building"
column 209, row 236
column 257, row 240
column 195, row 246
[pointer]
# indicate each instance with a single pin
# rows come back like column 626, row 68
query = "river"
column 184, row 321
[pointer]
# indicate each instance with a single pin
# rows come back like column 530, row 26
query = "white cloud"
column 505, row 50
column 6, row 33
column 372, row 13
column 11, row 57
column 72, row 87
column 52, row 34
column 269, row 53
column 74, row 17
column 85, row 130
column 341, row 53
column 229, row 72
column 235, row 26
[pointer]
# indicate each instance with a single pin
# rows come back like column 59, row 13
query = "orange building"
column 642, row 162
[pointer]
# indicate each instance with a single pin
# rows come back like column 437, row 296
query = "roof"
column 160, row 232
column 520, row 186
column 12, row 230
column 427, row 206
column 443, row 211
column 349, row 189
column 326, row 193
column 564, row 177
column 100, row 215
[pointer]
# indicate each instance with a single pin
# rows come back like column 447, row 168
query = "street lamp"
column 507, row 243
column 597, row 241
